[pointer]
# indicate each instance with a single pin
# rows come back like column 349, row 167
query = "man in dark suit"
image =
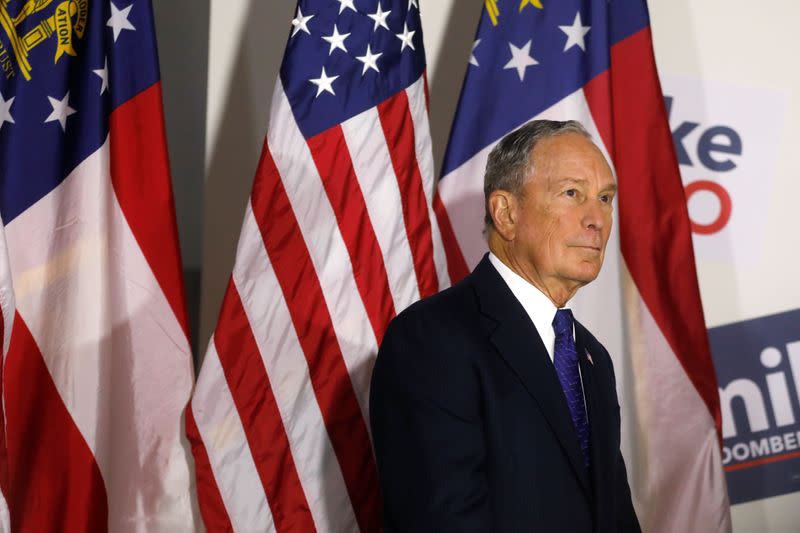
column 491, row 409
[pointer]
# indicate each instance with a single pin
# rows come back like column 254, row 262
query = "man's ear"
column 503, row 207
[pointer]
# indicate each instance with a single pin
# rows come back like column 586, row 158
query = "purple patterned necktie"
column 565, row 359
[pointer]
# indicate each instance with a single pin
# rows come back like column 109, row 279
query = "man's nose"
column 594, row 216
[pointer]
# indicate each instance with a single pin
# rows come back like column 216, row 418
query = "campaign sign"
column 758, row 369
column 726, row 140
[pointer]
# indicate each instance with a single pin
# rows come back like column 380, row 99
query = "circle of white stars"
column 61, row 110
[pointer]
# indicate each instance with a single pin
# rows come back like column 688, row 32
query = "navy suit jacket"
column 471, row 428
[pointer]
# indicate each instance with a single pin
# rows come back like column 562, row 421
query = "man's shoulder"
column 453, row 303
column 433, row 344
column 443, row 317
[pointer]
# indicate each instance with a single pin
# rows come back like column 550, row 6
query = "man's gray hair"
column 511, row 161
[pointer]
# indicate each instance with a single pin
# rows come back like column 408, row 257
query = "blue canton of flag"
column 342, row 59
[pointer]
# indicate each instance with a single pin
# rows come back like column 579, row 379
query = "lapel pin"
column 589, row 357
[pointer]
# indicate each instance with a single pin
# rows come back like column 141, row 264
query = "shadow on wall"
column 234, row 145
column 450, row 66
column 182, row 32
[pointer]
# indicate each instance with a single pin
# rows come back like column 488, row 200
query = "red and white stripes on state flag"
column 7, row 312
column 338, row 237
column 99, row 371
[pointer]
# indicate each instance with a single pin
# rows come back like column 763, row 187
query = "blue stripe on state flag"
column 524, row 61
column 333, row 35
column 60, row 114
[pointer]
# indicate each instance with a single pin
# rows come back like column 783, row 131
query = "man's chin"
column 586, row 273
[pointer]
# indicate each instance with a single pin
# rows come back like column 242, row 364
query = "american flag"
column 592, row 60
column 339, row 235
column 99, row 371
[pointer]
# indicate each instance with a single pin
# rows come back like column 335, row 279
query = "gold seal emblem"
column 494, row 11
column 67, row 22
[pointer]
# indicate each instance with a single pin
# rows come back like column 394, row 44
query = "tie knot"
column 562, row 323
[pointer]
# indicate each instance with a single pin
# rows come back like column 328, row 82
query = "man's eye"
column 606, row 198
column 571, row 193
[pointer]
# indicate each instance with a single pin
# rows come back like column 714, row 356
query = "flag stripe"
column 681, row 482
column 7, row 308
column 141, row 178
column 375, row 173
column 335, row 167
column 456, row 264
column 598, row 98
column 251, row 391
column 54, row 481
column 422, row 147
column 3, row 447
column 212, row 507
column 665, row 275
column 325, row 246
column 398, row 127
column 427, row 92
column 307, row 306
column 288, row 372
column 7, row 297
column 461, row 194
column 233, row 468
column 113, row 327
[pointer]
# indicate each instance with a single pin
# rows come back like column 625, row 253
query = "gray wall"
column 243, row 103
column 182, row 31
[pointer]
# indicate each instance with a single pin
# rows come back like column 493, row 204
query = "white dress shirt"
column 539, row 307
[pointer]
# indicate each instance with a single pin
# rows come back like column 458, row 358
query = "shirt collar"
column 539, row 307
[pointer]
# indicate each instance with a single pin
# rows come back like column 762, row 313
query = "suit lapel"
column 516, row 340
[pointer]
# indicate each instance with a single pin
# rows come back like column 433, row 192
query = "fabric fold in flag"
column 339, row 235
column 97, row 371
column 592, row 60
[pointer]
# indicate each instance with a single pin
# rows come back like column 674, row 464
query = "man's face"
column 564, row 214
